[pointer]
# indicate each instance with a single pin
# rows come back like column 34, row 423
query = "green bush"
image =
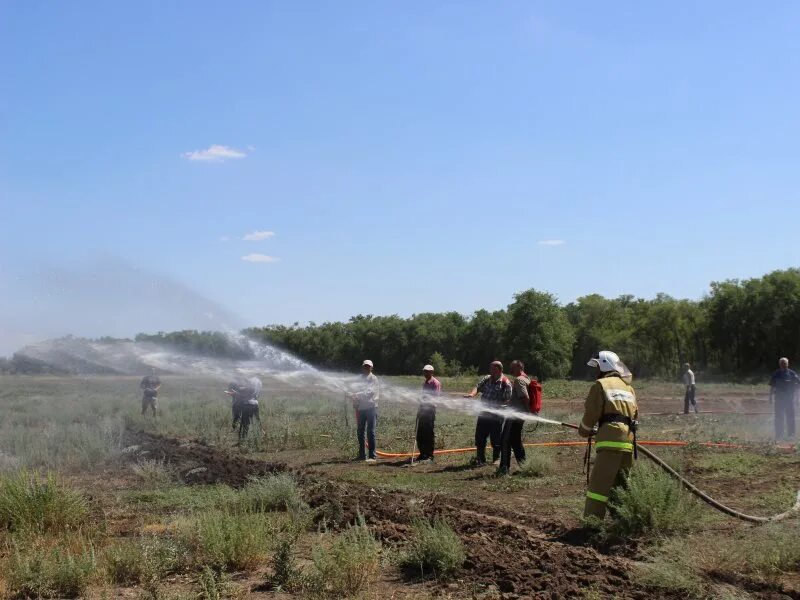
column 350, row 565
column 274, row 492
column 229, row 541
column 435, row 548
column 39, row 570
column 672, row 566
column 536, row 465
column 28, row 502
column 284, row 571
column 652, row 503
column 142, row 561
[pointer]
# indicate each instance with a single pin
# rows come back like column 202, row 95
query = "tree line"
column 738, row 329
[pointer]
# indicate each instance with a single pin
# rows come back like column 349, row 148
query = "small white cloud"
column 258, row 236
column 552, row 242
column 259, row 258
column 215, row 153
column 224, row 238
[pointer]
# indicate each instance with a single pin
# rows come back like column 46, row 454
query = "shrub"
column 37, row 570
column 142, row 561
column 768, row 550
column 536, row 465
column 152, row 473
column 673, row 568
column 435, row 548
column 652, row 502
column 283, row 566
column 274, row 492
column 230, row 541
column 28, row 502
column 350, row 565
column 214, row 585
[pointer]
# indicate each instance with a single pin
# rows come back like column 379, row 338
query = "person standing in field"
column 783, row 395
column 495, row 390
column 365, row 402
column 150, row 385
column 689, row 396
column 426, row 414
column 511, row 436
column 610, row 416
column 244, row 395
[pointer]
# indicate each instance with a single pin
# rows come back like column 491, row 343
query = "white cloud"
column 258, row 236
column 215, row 153
column 552, row 242
column 259, row 258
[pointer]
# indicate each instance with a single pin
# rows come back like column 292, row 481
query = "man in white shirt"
column 688, row 381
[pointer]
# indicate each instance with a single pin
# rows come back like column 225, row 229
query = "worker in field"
column 426, row 414
column 784, row 389
column 495, row 390
column 150, row 385
column 689, row 395
column 365, row 402
column 520, row 402
column 244, row 394
column 610, row 417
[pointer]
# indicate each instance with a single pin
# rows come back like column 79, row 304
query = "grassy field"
column 99, row 502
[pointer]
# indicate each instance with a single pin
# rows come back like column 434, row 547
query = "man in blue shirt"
column 784, row 385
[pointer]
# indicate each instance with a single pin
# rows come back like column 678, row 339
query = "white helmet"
column 608, row 361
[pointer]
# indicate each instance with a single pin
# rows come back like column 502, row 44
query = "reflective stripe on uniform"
column 620, row 396
column 621, row 446
column 598, row 497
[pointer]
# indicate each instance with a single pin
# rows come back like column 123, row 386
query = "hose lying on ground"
column 705, row 497
column 685, row 482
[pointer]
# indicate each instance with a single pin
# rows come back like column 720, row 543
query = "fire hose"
column 672, row 472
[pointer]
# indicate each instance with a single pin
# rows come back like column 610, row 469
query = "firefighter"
column 610, row 416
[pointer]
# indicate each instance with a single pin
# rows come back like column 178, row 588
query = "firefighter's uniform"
column 610, row 405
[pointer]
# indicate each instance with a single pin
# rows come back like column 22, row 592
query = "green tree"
column 539, row 333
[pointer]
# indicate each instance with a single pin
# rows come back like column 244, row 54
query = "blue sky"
column 407, row 156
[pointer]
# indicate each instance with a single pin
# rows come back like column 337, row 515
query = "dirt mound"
column 198, row 463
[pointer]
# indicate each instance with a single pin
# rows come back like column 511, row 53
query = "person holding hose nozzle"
column 511, row 436
column 366, row 405
column 426, row 415
column 495, row 390
column 610, row 416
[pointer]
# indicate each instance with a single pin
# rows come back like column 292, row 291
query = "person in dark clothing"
column 244, row 395
column 426, row 414
column 783, row 394
column 511, row 438
column 495, row 390
column 150, row 385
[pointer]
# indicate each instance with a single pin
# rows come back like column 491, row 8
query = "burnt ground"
column 512, row 553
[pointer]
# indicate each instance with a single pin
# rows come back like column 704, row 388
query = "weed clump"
column 652, row 503
column 36, row 569
column 274, row 492
column 673, row 568
column 229, row 541
column 146, row 560
column 435, row 548
column 350, row 565
column 767, row 551
column 30, row 503
column 536, row 465
column 152, row 474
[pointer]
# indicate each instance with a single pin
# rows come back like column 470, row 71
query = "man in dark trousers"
column 783, row 394
column 495, row 390
column 244, row 395
column 426, row 414
column 511, row 438
column 150, row 385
